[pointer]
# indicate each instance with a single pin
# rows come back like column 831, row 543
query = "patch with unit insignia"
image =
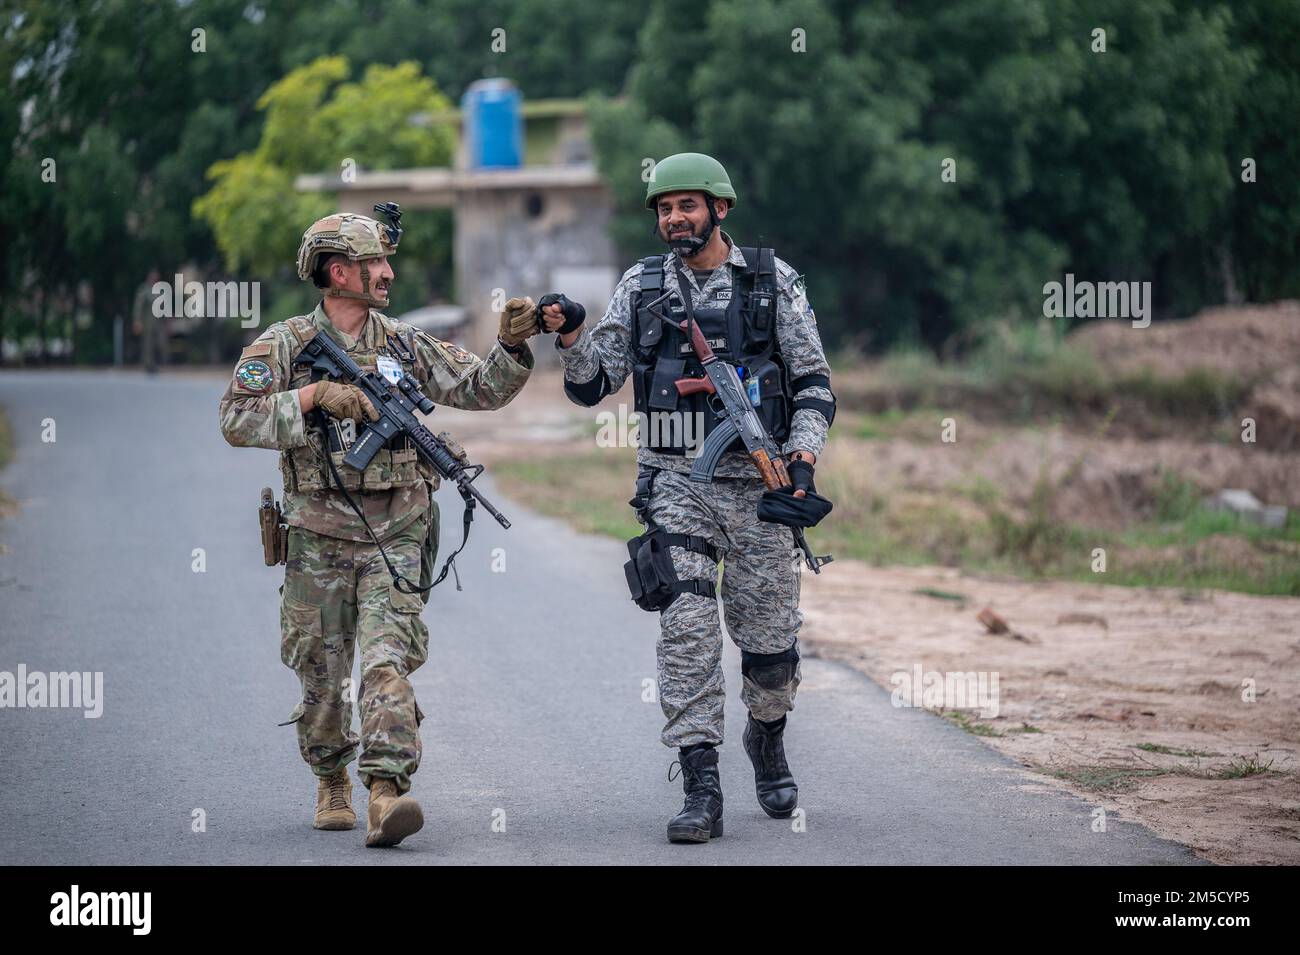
column 254, row 375
column 457, row 353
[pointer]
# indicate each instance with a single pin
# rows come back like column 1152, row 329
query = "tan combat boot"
column 334, row 801
column 392, row 817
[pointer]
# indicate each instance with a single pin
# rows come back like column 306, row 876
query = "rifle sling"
column 398, row 579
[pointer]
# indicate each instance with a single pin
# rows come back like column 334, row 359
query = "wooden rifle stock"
column 695, row 386
column 771, row 469
column 698, row 343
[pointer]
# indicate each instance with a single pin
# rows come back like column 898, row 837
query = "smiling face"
column 346, row 274
column 685, row 214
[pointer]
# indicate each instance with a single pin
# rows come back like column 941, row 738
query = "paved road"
column 533, row 688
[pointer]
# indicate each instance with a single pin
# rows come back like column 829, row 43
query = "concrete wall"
column 530, row 242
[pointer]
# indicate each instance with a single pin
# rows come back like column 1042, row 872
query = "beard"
column 689, row 232
column 688, row 245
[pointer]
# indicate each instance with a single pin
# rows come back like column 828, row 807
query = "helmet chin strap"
column 362, row 296
column 693, row 244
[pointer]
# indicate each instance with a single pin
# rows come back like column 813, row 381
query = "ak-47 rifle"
column 742, row 420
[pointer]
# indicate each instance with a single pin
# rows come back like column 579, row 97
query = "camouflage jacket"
column 609, row 346
column 261, row 409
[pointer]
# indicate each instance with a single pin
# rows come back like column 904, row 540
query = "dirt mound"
column 1276, row 410
column 1254, row 342
column 1099, row 483
column 1256, row 345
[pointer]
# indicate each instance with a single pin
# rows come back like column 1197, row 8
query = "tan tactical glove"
column 345, row 401
column 518, row 321
column 454, row 447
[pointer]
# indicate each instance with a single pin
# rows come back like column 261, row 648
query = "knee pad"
column 771, row 671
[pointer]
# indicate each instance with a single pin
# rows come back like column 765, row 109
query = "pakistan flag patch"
column 254, row 375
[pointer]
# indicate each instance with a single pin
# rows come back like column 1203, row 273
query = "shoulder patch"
column 457, row 354
column 457, row 360
column 254, row 375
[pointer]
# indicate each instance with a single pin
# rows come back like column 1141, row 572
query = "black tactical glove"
column 782, row 507
column 801, row 475
column 574, row 313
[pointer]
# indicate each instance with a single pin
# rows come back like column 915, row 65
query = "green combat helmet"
column 690, row 172
column 356, row 236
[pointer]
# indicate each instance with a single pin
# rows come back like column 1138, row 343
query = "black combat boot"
column 777, row 793
column 701, row 817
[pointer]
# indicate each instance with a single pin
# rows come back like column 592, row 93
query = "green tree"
column 1109, row 164
column 1261, row 245
column 318, row 121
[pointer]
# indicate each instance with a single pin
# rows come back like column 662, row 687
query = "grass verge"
column 970, row 527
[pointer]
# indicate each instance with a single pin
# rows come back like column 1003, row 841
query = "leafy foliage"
column 315, row 121
column 1118, row 165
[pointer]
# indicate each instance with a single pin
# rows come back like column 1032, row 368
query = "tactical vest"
column 741, row 333
column 394, row 466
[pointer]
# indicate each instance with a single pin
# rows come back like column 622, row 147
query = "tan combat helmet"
column 356, row 236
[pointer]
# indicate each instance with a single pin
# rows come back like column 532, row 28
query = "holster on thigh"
column 651, row 577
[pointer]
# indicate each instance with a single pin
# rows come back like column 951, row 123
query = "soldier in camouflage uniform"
column 754, row 312
column 337, row 590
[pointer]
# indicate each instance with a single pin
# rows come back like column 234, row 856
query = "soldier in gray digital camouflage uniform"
column 337, row 591
column 752, row 309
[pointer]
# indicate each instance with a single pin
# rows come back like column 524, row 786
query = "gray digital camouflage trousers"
column 338, row 594
column 760, row 598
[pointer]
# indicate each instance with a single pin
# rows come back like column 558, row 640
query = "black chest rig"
column 741, row 332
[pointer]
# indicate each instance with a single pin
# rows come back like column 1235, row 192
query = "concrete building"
column 536, row 228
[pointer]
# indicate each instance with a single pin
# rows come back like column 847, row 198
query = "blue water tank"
column 492, row 114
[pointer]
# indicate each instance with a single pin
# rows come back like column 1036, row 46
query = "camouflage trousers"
column 338, row 594
column 760, row 599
